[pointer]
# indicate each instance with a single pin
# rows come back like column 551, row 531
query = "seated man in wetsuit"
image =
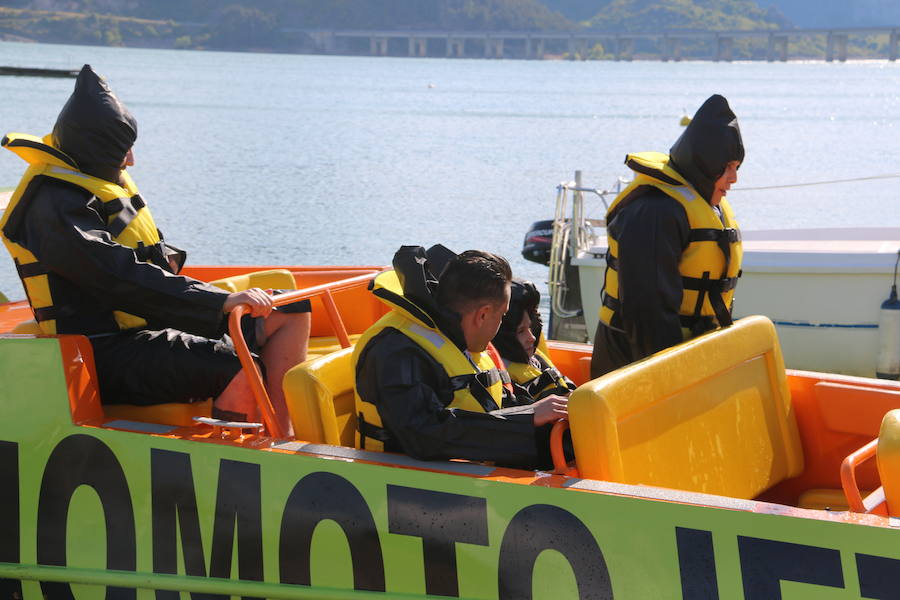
column 532, row 372
column 425, row 383
column 93, row 262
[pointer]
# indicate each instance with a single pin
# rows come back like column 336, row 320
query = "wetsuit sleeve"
column 70, row 239
column 411, row 392
column 652, row 237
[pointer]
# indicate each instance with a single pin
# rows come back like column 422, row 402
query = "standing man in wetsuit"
column 674, row 253
column 93, row 263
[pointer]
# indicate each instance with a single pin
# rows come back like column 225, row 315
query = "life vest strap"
column 712, row 286
column 611, row 303
column 368, row 430
column 478, row 384
column 547, row 377
column 121, row 210
column 32, row 269
column 612, row 262
column 729, row 234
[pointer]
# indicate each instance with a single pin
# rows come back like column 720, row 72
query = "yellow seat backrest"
column 29, row 327
column 319, row 395
column 275, row 279
column 319, row 346
column 711, row 415
column 888, row 454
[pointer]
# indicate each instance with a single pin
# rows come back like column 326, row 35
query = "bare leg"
column 287, row 338
column 238, row 397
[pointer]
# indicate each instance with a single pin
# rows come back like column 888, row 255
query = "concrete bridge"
column 535, row 45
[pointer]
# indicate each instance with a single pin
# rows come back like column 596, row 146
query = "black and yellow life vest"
column 129, row 221
column 476, row 381
column 539, row 377
column 711, row 263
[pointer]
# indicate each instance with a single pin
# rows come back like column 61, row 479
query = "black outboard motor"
column 536, row 247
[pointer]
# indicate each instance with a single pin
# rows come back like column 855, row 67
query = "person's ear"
column 482, row 313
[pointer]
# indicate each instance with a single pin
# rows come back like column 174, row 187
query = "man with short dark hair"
column 426, row 383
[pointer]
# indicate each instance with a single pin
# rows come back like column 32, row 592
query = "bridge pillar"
column 671, row 49
column 493, row 47
column 535, row 48
column 892, row 45
column 456, row 47
column 624, row 48
column 324, row 41
column 378, row 46
column 778, row 48
column 724, row 46
column 418, row 46
column 836, row 41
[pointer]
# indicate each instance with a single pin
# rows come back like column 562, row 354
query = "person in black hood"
column 98, row 254
column 674, row 245
column 418, row 404
column 533, row 374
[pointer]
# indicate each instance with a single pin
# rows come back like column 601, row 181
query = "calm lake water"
column 285, row 159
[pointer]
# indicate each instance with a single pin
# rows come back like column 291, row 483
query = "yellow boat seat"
column 712, row 415
column 320, row 346
column 172, row 413
column 274, row 279
column 28, row 327
column 888, row 459
column 319, row 396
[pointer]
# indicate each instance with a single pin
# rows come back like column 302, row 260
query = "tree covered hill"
column 662, row 15
column 341, row 14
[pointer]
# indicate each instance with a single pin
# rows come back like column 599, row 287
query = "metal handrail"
column 194, row 584
column 569, row 238
column 254, row 377
column 849, row 466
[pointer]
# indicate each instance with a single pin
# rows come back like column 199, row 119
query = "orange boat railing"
column 325, row 292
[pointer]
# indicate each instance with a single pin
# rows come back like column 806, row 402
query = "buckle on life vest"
column 728, row 234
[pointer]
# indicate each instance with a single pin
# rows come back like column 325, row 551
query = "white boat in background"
column 823, row 288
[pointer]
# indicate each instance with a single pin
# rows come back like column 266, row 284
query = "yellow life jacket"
column 539, row 377
column 129, row 221
column 477, row 383
column 711, row 263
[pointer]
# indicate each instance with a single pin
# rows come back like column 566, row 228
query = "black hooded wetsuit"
column 653, row 231
column 182, row 355
column 412, row 392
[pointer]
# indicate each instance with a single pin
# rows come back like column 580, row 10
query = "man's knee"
column 297, row 323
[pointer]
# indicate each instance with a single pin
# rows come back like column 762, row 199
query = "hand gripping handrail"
column 325, row 291
column 855, row 501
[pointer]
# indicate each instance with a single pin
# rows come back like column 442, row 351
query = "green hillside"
column 661, row 15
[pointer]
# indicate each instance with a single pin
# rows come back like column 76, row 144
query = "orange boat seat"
column 711, row 415
column 319, row 396
column 172, row 413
